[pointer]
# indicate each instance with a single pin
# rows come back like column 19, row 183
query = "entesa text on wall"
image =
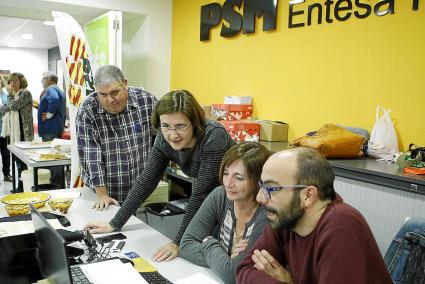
column 300, row 13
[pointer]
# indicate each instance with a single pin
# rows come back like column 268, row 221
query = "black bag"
column 417, row 152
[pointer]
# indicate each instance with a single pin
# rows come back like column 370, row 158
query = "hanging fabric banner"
column 78, row 69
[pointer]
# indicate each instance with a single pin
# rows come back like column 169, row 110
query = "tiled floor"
column 5, row 187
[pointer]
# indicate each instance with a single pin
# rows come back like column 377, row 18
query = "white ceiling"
column 18, row 17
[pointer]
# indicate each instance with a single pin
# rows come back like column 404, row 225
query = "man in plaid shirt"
column 114, row 136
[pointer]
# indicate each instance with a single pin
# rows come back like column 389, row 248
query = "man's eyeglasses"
column 268, row 189
column 179, row 128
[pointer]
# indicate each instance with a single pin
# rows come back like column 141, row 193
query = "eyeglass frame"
column 183, row 128
column 268, row 189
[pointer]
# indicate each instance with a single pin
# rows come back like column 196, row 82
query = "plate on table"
column 33, row 144
column 47, row 155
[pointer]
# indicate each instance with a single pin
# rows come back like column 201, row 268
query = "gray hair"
column 50, row 76
column 108, row 74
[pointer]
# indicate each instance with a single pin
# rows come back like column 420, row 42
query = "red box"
column 231, row 112
column 242, row 130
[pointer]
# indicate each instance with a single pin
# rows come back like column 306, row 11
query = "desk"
column 21, row 155
column 140, row 237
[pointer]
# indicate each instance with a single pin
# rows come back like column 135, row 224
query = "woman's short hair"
column 253, row 155
column 22, row 81
column 180, row 101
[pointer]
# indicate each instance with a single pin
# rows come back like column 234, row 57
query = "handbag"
column 333, row 142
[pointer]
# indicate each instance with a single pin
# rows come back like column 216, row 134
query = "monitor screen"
column 51, row 254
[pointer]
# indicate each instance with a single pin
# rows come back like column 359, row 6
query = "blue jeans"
column 398, row 253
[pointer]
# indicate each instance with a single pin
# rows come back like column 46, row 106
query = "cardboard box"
column 242, row 130
column 273, row 130
column 236, row 100
column 231, row 111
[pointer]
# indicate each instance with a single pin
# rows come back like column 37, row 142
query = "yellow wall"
column 328, row 73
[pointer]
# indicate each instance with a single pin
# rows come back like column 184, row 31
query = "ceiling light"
column 49, row 23
column 27, row 36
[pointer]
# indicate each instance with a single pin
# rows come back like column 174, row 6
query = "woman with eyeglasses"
column 195, row 144
column 230, row 220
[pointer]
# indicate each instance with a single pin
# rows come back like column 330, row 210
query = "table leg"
column 63, row 176
column 35, row 179
column 13, row 174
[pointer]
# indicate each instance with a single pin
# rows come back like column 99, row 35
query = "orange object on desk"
column 414, row 170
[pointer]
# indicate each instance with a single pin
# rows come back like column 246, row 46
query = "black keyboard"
column 155, row 278
column 78, row 276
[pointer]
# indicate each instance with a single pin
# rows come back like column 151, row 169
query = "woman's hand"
column 98, row 227
column 166, row 253
column 240, row 247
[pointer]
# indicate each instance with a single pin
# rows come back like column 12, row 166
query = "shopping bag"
column 383, row 142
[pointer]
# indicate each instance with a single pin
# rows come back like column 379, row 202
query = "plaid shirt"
column 113, row 148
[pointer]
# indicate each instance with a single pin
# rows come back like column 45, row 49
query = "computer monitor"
column 51, row 254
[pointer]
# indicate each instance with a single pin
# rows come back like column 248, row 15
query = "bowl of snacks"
column 62, row 204
column 18, row 203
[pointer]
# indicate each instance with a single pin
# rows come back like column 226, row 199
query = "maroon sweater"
column 341, row 249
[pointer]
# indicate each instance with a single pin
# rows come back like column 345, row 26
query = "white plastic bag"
column 383, row 142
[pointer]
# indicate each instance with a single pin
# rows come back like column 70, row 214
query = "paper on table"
column 197, row 278
column 117, row 272
column 64, row 193
column 8, row 229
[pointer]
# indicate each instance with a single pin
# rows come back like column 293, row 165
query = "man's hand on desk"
column 103, row 199
column 166, row 253
column 98, row 227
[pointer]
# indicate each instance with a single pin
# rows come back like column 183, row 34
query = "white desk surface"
column 141, row 238
column 21, row 154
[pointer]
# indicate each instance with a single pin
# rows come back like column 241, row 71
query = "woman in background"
column 21, row 104
column 230, row 220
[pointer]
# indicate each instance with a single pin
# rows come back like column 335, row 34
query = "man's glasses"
column 268, row 189
column 179, row 128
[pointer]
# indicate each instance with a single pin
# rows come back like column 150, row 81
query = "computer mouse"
column 126, row 260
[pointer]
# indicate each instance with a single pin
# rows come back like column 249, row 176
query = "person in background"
column 113, row 136
column 312, row 236
column 51, row 109
column 21, row 104
column 195, row 144
column 51, row 117
column 233, row 209
column 5, row 154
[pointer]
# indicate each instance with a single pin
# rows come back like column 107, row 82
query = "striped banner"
column 78, row 70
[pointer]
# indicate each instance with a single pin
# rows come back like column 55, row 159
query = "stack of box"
column 235, row 115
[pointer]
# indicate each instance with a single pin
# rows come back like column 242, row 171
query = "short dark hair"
column 253, row 155
column 314, row 169
column 108, row 74
column 22, row 81
column 180, row 101
column 50, row 76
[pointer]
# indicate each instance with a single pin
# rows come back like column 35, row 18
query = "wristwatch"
column 206, row 239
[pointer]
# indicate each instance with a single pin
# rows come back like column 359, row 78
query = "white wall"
column 32, row 63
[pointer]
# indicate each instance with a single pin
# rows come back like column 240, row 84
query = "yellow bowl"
column 17, row 210
column 62, row 204
column 18, row 203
